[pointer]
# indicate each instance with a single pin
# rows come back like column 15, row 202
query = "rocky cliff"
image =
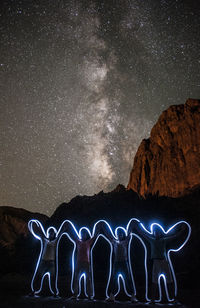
column 168, row 163
column 15, row 237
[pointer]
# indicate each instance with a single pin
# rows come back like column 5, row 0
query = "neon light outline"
column 46, row 235
column 83, row 275
column 168, row 256
column 166, row 289
column 93, row 245
column 145, row 266
column 114, row 235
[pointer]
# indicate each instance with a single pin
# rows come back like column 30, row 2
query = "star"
column 82, row 83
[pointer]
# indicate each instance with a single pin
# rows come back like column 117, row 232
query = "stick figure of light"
column 82, row 265
column 47, row 264
column 120, row 263
column 161, row 245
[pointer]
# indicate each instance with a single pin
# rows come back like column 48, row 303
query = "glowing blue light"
column 73, row 236
column 68, row 228
column 166, row 290
column 41, row 237
column 168, row 255
column 115, row 238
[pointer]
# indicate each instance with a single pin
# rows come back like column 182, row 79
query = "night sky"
column 81, row 84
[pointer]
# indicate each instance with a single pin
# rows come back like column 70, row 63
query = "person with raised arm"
column 47, row 263
column 82, row 266
column 120, row 263
column 159, row 265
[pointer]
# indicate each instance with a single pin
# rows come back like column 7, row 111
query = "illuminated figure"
column 47, row 263
column 161, row 243
column 82, row 266
column 120, row 264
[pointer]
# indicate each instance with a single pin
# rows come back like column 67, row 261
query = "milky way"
column 82, row 83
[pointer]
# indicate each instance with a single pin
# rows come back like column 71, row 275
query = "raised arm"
column 68, row 228
column 178, row 229
column 63, row 229
column 132, row 226
column 178, row 235
column 136, row 227
column 95, row 232
column 36, row 228
column 104, row 229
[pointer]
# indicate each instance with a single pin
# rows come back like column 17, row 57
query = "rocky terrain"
column 168, row 163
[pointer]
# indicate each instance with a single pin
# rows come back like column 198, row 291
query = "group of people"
column 157, row 244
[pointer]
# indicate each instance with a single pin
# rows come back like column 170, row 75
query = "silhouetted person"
column 47, row 263
column 159, row 265
column 82, row 259
column 120, row 265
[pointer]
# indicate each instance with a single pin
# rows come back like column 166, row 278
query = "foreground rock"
column 168, row 163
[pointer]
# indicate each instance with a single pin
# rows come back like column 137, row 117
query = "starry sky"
column 81, row 84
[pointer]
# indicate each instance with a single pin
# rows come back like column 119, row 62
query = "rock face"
column 15, row 236
column 14, row 223
column 168, row 163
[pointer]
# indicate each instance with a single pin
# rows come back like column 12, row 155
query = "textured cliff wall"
column 168, row 163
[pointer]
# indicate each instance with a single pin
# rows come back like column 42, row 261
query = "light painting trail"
column 165, row 265
column 83, row 242
column 120, row 260
column 47, row 264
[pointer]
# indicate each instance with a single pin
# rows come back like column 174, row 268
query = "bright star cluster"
column 82, row 83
